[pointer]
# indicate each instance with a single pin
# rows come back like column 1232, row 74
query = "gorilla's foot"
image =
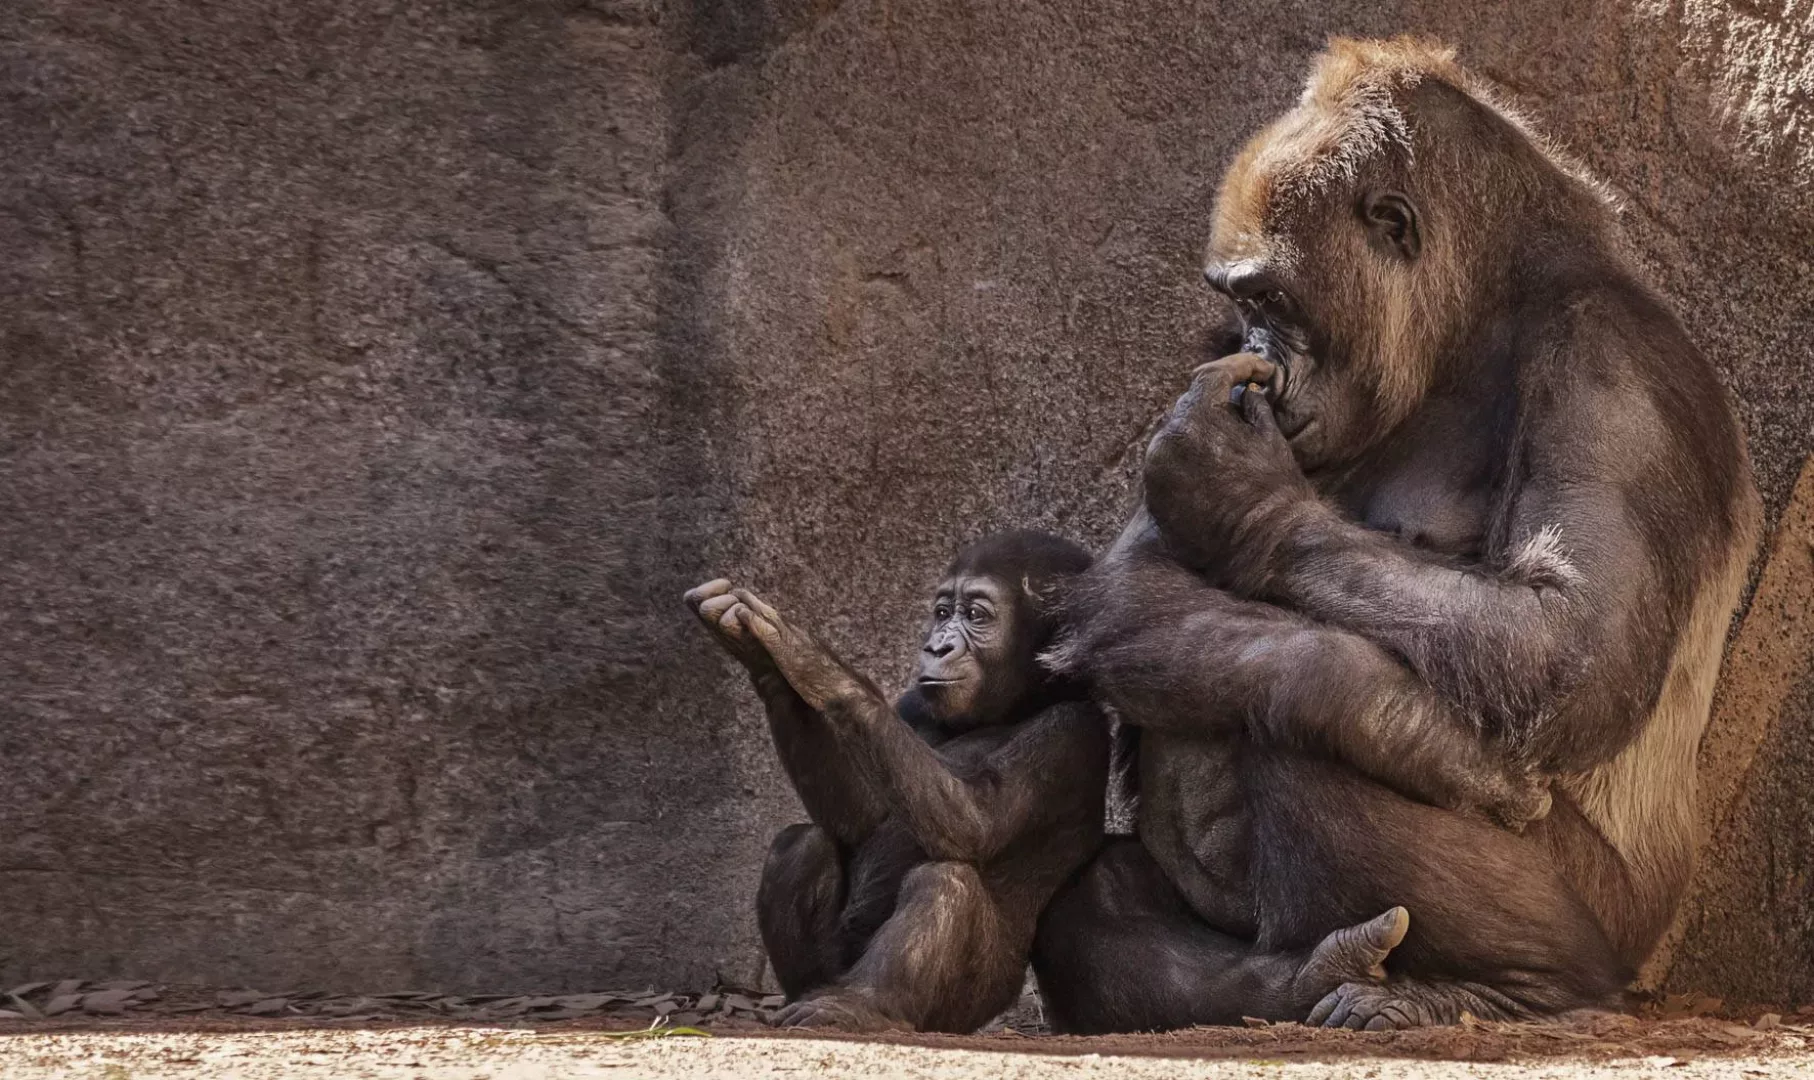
column 1354, row 954
column 836, row 1010
column 1409, row 1003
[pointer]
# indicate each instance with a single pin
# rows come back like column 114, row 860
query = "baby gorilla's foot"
column 1354, row 955
column 834, row 1011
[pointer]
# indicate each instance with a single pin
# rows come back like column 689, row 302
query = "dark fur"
column 910, row 901
column 939, row 835
column 1500, row 549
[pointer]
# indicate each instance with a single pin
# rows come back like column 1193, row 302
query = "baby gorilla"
column 941, row 825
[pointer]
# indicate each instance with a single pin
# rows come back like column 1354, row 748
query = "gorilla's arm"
column 975, row 815
column 1555, row 634
column 837, row 795
column 1560, row 650
column 968, row 817
column 1168, row 651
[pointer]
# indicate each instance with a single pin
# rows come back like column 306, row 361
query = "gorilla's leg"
column 1497, row 930
column 1119, row 949
column 798, row 905
column 945, row 961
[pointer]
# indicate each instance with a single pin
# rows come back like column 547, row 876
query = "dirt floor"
column 194, row 1033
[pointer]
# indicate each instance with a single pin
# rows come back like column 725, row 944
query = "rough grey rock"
column 375, row 376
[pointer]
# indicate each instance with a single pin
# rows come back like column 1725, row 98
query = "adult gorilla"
column 1482, row 535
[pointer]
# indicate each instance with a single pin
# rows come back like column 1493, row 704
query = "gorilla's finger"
column 698, row 594
column 1398, row 1016
column 734, row 619
column 1238, row 369
column 758, row 605
column 766, row 632
column 1323, row 1009
column 713, row 610
column 1382, row 1022
column 1256, row 409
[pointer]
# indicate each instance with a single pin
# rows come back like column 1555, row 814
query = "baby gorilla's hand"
column 712, row 603
column 809, row 667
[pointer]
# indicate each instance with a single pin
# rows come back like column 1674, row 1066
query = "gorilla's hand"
column 1220, row 479
column 818, row 676
column 770, row 647
column 713, row 604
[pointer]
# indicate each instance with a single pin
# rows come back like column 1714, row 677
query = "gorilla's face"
column 1326, row 405
column 1333, row 294
column 976, row 653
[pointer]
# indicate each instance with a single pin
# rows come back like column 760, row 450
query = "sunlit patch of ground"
column 154, row 1048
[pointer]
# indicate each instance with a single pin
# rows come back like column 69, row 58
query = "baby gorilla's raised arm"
column 965, row 818
column 838, row 796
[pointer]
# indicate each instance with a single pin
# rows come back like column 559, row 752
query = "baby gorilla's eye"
column 941, row 612
column 1275, row 298
column 977, row 615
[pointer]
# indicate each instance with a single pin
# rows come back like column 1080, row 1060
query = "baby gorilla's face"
column 976, row 661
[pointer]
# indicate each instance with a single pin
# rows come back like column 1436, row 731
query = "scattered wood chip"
column 562, row 1014
column 233, row 999
column 708, row 1002
column 20, row 1005
column 541, row 1003
column 1662, row 1062
column 106, row 1002
column 61, row 1003
column 1768, row 1022
column 774, row 1001
column 586, row 1002
column 122, row 984
column 685, row 1019
column 67, row 986
column 1253, row 1022
column 731, row 1001
column 8, row 1014
column 268, row 1007
column 190, row 1008
column 405, row 995
column 25, row 988
column 655, row 999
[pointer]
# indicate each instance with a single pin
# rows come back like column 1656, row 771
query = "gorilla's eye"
column 977, row 615
column 941, row 612
column 1275, row 298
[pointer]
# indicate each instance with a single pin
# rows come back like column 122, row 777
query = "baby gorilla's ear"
column 1042, row 601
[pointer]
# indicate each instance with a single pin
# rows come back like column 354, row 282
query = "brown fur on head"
column 1378, row 215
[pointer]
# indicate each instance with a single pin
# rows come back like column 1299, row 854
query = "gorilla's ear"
column 1391, row 220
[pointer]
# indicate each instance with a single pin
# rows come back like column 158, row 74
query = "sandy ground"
column 279, row 1050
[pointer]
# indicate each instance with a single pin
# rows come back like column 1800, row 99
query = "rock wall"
column 377, row 375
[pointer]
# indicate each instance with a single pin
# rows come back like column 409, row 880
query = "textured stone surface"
column 1751, row 897
column 377, row 374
